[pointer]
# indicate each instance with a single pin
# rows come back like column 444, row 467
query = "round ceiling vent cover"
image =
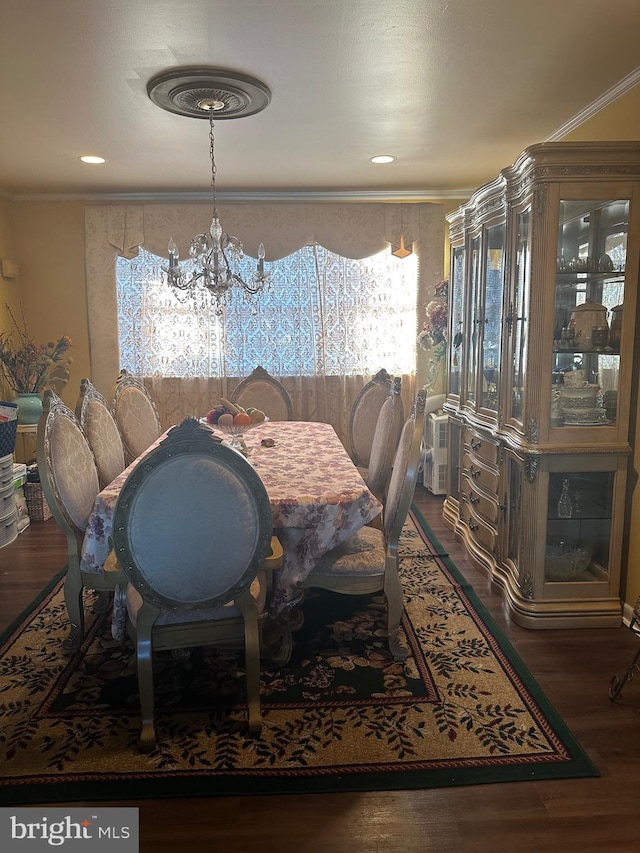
column 203, row 92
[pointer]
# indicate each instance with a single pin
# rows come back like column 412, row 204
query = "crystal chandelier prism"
column 213, row 256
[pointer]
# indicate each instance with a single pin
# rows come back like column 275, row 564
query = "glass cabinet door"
column 589, row 301
column 579, row 519
column 489, row 372
column 474, row 321
column 519, row 315
column 456, row 350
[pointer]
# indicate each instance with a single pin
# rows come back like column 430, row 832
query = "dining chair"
column 385, row 441
column 135, row 414
column 367, row 562
column 364, row 416
column 69, row 480
column 192, row 532
column 262, row 391
column 101, row 431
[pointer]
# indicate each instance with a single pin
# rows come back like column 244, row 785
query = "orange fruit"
column 241, row 419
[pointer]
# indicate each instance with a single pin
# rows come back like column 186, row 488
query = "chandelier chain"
column 214, row 169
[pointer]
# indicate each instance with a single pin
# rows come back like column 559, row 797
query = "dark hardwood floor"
column 573, row 667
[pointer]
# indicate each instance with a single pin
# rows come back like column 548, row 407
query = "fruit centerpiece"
column 234, row 421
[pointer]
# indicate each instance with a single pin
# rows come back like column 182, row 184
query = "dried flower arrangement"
column 28, row 367
column 434, row 330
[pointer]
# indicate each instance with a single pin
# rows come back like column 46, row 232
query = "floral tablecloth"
column 317, row 495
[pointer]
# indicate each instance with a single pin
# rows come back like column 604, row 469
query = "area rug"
column 342, row 716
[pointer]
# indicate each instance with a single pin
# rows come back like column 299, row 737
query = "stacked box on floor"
column 8, row 515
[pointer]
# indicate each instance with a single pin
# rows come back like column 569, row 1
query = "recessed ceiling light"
column 383, row 158
column 91, row 158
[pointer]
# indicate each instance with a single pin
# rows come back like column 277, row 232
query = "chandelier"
column 214, row 255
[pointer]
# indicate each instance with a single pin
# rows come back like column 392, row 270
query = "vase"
column 29, row 408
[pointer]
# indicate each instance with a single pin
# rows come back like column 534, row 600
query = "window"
column 322, row 315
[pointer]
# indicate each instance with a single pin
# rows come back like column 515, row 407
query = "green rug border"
column 524, row 673
column 121, row 790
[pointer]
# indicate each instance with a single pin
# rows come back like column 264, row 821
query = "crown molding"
column 298, row 196
column 596, row 106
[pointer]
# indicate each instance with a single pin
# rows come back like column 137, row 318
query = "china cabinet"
column 543, row 288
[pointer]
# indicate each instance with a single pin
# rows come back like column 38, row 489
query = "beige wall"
column 8, row 287
column 49, row 246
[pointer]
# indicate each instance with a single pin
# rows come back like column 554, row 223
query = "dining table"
column 318, row 499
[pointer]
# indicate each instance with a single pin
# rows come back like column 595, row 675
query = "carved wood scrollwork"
column 526, row 585
column 540, row 198
column 532, row 431
column 531, row 468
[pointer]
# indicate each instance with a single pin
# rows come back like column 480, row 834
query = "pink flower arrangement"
column 434, row 329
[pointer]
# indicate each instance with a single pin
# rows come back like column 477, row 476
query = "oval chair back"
column 262, row 391
column 385, row 441
column 101, row 431
column 135, row 414
column 364, row 417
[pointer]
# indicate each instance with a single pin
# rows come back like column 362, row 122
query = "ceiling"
column 455, row 89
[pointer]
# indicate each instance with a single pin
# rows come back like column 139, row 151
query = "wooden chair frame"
column 402, row 488
column 194, row 440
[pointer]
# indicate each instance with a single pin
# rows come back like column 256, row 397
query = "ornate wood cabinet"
column 543, row 290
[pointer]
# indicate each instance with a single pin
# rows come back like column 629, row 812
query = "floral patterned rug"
column 462, row 709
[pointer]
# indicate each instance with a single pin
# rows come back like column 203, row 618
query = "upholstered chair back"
column 364, row 417
column 135, row 414
column 66, row 465
column 101, row 431
column 193, row 522
column 385, row 441
column 262, row 391
column 404, row 474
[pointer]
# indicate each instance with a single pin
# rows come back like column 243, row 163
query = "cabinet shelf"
column 591, row 350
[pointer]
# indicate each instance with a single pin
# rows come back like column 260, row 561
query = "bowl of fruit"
column 234, row 421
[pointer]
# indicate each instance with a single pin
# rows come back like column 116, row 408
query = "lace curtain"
column 349, row 230
column 321, row 314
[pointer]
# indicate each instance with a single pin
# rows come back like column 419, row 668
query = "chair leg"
column 395, row 604
column 617, row 683
column 74, row 605
column 144, row 655
column 252, row 665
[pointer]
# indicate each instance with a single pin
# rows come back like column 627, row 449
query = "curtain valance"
column 353, row 230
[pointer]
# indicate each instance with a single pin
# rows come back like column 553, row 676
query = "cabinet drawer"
column 483, row 506
column 482, row 533
column 479, row 475
column 481, row 446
